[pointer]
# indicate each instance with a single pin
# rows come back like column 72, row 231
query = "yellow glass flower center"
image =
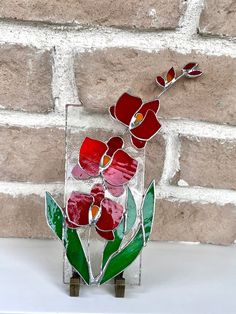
column 138, row 118
column 94, row 211
column 106, row 160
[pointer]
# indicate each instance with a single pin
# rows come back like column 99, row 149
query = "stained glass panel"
column 121, row 169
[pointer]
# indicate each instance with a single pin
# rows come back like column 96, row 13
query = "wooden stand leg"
column 74, row 285
column 120, row 286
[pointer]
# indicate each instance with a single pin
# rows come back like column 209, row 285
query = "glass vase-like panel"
column 79, row 125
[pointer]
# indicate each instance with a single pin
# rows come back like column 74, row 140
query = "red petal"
column 79, row 174
column 106, row 235
column 138, row 143
column 147, row 128
column 111, row 215
column 189, row 66
column 121, row 169
column 115, row 190
column 78, row 208
column 98, row 193
column 68, row 223
column 91, row 152
column 194, row 73
column 126, row 107
column 152, row 105
column 170, row 75
column 113, row 144
column 160, row 81
column 112, row 111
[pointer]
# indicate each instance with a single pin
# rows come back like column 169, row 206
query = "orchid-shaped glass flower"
column 94, row 209
column 108, row 160
column 139, row 117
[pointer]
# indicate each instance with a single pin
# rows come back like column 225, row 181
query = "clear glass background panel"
column 81, row 124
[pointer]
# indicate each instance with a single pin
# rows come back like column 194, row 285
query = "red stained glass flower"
column 140, row 118
column 94, row 209
column 190, row 70
column 107, row 159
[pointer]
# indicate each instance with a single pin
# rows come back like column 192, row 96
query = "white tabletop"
column 177, row 278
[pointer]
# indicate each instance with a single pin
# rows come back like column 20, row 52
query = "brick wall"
column 58, row 52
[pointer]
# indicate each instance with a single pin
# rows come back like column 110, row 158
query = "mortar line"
column 67, row 38
column 64, row 86
column 172, row 193
column 199, row 129
column 54, row 82
column 31, row 120
column 171, row 163
column 197, row 194
column 189, row 22
column 28, row 188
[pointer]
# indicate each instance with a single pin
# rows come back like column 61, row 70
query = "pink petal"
column 98, row 193
column 78, row 207
column 147, row 128
column 68, row 223
column 122, row 169
column 79, row 174
column 111, row 215
column 91, row 152
column 115, row 190
column 126, row 107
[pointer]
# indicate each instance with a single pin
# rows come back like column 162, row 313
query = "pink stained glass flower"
column 139, row 117
column 108, row 160
column 94, row 209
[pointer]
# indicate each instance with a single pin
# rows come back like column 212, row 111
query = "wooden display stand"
column 119, row 286
column 74, row 285
column 119, row 282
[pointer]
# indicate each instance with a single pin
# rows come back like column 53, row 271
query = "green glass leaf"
column 72, row 243
column 131, row 211
column 129, row 253
column 148, row 210
column 113, row 246
column 75, row 253
column 54, row 215
column 124, row 258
